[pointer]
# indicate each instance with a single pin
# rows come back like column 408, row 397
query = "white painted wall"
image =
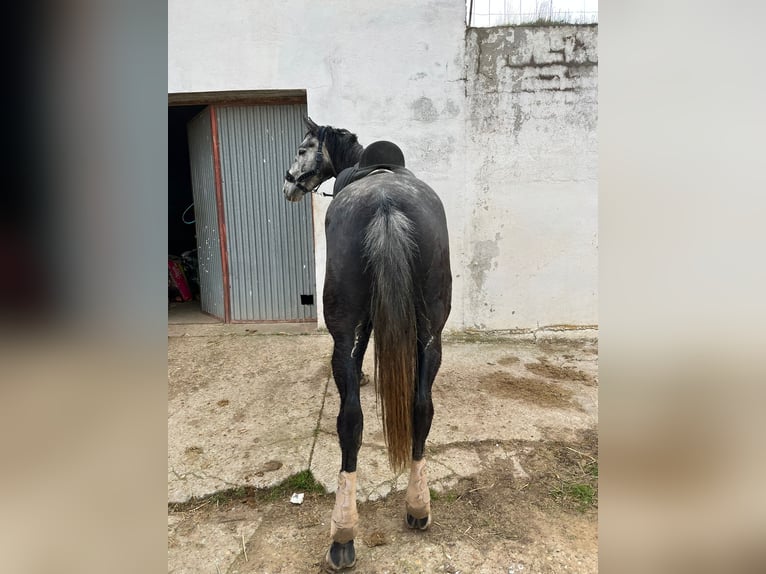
column 531, row 177
column 398, row 71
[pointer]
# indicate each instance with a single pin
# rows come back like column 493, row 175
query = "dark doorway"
column 181, row 236
column 182, row 241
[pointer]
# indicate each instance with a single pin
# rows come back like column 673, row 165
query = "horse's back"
column 361, row 201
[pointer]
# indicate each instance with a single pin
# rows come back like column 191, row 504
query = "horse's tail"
column 390, row 249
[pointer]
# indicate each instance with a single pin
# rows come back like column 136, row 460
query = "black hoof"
column 418, row 523
column 340, row 556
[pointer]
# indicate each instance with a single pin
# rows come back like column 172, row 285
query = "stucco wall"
column 531, row 176
column 388, row 71
column 517, row 176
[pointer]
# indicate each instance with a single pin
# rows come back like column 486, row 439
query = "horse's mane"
column 343, row 146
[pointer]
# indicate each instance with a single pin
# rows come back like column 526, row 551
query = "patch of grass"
column 580, row 492
column 217, row 499
column 580, row 495
column 304, row 482
column 228, row 495
column 583, row 493
column 575, row 481
column 442, row 496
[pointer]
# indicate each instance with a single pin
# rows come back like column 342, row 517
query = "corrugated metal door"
column 206, row 214
column 269, row 240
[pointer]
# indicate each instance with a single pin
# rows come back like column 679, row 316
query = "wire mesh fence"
column 485, row 13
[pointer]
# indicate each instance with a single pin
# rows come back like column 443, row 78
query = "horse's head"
column 312, row 164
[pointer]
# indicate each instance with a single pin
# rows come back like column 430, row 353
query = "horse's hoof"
column 340, row 556
column 418, row 523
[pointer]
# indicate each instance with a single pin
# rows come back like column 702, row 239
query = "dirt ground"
column 534, row 511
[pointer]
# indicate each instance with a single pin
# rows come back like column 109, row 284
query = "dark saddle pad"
column 377, row 155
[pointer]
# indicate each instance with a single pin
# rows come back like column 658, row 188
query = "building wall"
column 531, row 176
column 521, row 215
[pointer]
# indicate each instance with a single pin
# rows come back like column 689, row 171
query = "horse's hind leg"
column 418, row 498
column 350, row 342
column 361, row 339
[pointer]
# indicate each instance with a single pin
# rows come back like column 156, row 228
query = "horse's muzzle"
column 292, row 192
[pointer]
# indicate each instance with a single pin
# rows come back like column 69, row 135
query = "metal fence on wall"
column 486, row 13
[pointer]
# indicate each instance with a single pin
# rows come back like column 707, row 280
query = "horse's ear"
column 311, row 125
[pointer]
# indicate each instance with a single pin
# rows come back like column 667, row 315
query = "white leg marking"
column 418, row 498
column 345, row 519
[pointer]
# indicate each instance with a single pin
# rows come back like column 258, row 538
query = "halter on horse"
column 388, row 269
column 318, row 161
